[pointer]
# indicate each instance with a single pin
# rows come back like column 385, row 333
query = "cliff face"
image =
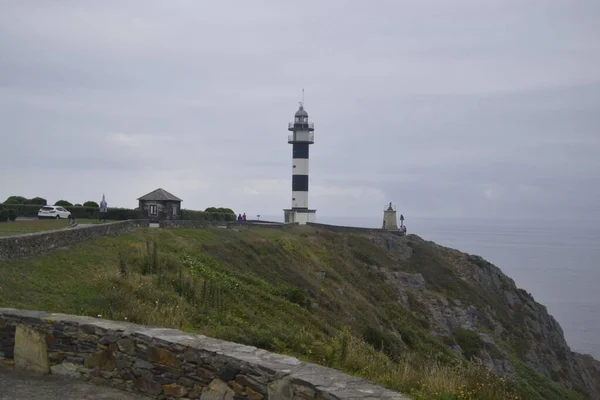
column 457, row 292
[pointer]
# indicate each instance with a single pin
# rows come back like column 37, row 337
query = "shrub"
column 12, row 215
column 63, row 203
column 294, row 295
column 36, row 201
column 91, row 204
column 15, row 200
column 384, row 342
column 469, row 342
column 206, row 216
column 3, row 215
column 223, row 210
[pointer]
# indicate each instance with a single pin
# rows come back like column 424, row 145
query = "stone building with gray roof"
column 159, row 205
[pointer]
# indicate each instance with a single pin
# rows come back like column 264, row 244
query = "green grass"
column 20, row 227
column 29, row 226
column 300, row 292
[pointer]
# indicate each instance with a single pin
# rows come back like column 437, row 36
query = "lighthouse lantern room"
column 301, row 138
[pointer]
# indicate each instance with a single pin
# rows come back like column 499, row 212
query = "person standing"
column 239, row 219
column 244, row 217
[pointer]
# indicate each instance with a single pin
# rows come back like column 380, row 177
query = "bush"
column 11, row 201
column 63, row 203
column 206, row 216
column 91, row 204
column 3, row 215
column 36, row 201
column 15, row 200
column 219, row 210
column 469, row 342
column 12, row 214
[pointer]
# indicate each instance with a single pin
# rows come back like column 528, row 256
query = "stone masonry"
column 166, row 363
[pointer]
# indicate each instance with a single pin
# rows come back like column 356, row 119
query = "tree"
column 63, row 203
column 77, row 205
column 91, row 204
column 12, row 215
column 3, row 215
column 225, row 210
column 15, row 200
column 211, row 210
column 38, row 201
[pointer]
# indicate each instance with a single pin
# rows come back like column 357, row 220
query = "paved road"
column 18, row 386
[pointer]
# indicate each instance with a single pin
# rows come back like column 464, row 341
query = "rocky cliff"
column 458, row 293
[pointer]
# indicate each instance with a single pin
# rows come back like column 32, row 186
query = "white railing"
column 310, row 125
column 310, row 138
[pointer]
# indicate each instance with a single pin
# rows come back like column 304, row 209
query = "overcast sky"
column 446, row 108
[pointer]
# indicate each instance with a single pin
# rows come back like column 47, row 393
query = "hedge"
column 26, row 210
column 206, row 216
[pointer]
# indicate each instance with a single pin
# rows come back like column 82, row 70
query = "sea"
column 558, row 262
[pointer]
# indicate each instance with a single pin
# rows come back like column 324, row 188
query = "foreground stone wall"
column 32, row 244
column 166, row 363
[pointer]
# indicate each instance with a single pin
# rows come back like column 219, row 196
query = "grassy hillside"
column 334, row 299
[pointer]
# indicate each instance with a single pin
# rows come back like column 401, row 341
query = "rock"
column 485, row 338
column 413, row 281
column 252, row 394
column 252, row 383
column 162, row 356
column 217, row 390
column 104, row 360
column 303, row 391
column 31, row 352
column 237, row 388
column 126, row 346
column 148, row 386
column 65, row 369
column 196, row 392
column 280, row 390
column 205, row 373
column 174, row 390
column 457, row 350
column 142, row 364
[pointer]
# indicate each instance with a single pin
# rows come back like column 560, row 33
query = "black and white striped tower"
column 302, row 136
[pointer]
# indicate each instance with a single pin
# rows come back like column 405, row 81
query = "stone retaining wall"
column 175, row 224
column 221, row 224
column 32, row 244
column 166, row 363
column 341, row 228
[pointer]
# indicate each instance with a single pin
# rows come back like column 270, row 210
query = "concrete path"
column 18, row 386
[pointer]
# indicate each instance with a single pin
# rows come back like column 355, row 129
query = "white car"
column 55, row 212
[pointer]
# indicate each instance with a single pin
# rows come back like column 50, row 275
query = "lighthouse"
column 301, row 138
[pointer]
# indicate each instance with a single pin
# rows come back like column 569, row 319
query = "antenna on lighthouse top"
column 302, row 102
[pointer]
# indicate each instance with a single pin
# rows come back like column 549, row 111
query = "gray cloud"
column 454, row 109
